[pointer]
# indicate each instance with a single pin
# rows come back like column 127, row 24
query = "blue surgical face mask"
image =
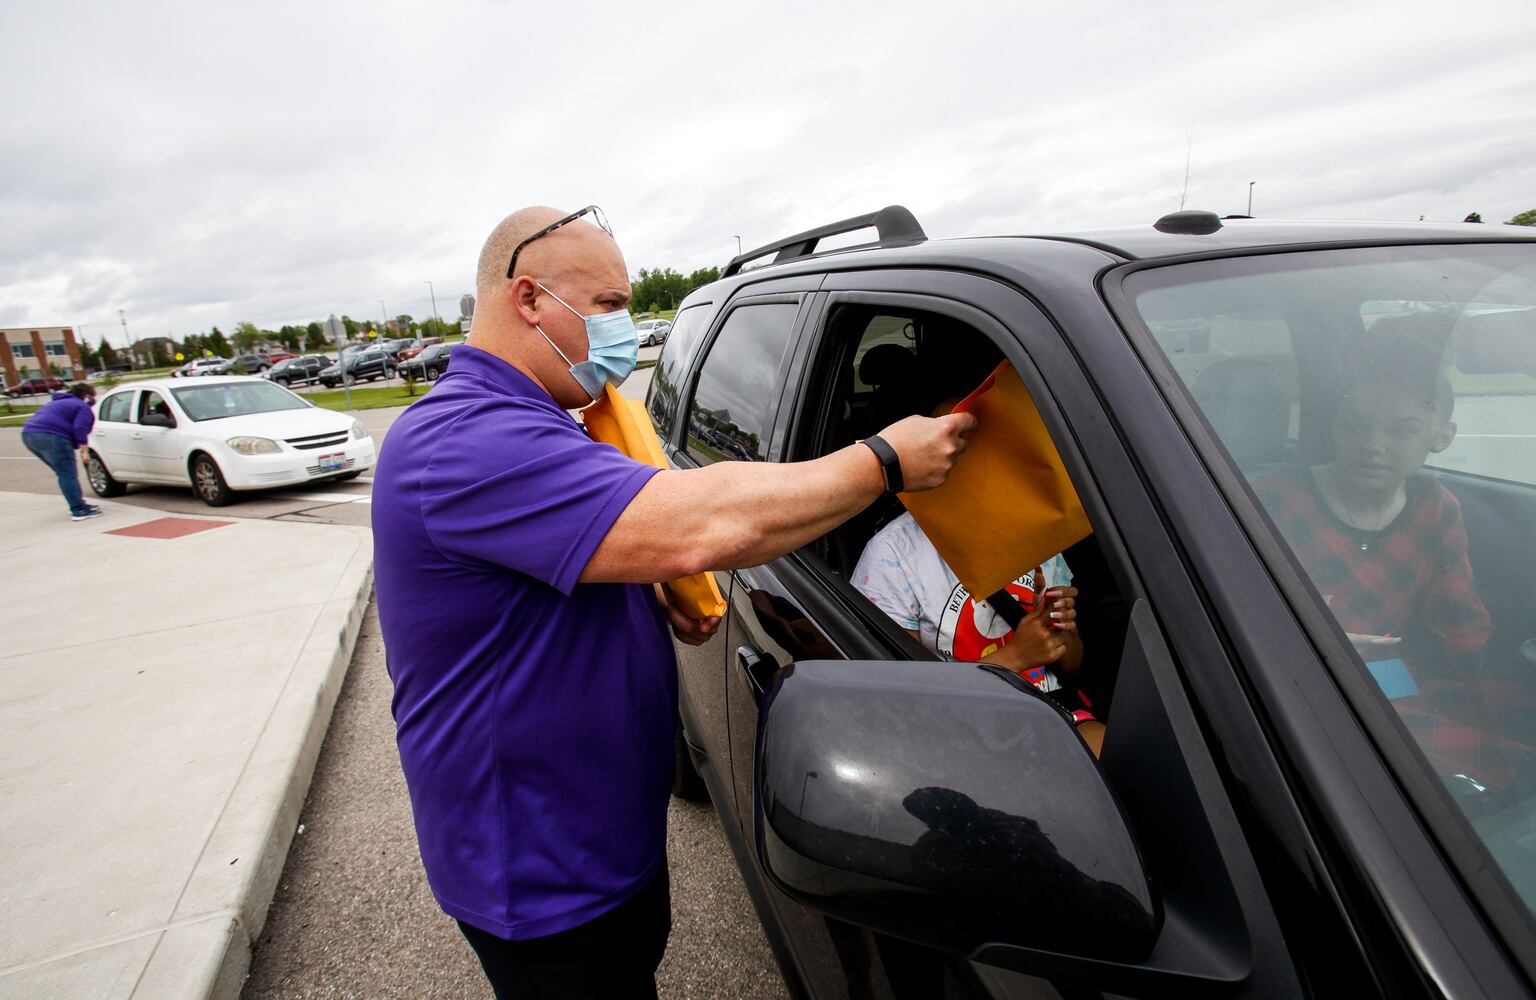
column 613, row 347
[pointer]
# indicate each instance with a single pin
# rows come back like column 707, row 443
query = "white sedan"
column 220, row 434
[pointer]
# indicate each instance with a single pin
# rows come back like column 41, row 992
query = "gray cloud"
column 194, row 165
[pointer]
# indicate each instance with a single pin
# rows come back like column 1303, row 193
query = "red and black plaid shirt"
column 1411, row 576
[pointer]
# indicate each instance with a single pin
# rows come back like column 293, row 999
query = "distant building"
column 146, row 350
column 26, row 352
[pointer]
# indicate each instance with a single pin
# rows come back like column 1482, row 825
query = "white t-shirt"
column 904, row 575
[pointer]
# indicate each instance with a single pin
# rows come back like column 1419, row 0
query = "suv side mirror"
column 948, row 804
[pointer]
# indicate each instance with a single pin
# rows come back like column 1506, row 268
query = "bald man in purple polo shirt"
column 516, row 567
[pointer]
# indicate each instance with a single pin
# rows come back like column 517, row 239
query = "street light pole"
column 1250, row 196
column 385, row 313
column 738, row 246
column 434, row 305
column 133, row 343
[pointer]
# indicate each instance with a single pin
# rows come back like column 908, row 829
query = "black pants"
column 613, row 956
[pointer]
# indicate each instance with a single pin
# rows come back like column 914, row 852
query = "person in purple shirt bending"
column 516, row 565
column 58, row 430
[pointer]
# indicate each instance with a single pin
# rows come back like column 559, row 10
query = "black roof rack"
column 894, row 223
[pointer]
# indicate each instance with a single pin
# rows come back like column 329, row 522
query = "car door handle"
column 759, row 668
column 137, row 436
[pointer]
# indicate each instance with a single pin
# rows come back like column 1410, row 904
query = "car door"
column 804, row 607
column 112, row 435
column 156, row 449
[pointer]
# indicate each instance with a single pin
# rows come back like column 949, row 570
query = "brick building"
column 26, row 352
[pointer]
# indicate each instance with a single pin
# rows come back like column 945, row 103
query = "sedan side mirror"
column 157, row 420
column 949, row 804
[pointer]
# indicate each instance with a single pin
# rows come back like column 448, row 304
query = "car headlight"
column 253, row 446
column 359, row 432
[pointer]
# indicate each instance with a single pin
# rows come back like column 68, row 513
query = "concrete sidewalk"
column 162, row 703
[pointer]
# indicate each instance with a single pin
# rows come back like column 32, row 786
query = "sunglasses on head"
column 592, row 210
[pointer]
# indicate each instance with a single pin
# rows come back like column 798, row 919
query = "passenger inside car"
column 902, row 573
column 1384, row 544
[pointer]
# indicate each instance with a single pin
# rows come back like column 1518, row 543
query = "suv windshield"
column 1381, row 404
column 235, row 399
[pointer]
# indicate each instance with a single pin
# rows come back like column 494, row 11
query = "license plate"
column 329, row 463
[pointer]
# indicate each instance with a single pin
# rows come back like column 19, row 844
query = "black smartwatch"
column 890, row 464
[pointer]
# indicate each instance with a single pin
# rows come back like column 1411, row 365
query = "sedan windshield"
column 235, row 399
column 1381, row 405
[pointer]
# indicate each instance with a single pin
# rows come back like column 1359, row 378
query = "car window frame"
column 127, row 396
column 801, row 299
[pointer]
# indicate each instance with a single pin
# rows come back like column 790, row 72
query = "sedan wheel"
column 102, row 481
column 208, row 482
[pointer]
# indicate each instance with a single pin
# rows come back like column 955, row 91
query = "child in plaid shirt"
column 1386, row 547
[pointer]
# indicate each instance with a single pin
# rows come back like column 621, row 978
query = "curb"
column 205, row 951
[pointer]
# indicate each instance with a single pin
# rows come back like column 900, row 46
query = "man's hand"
column 693, row 631
column 928, row 447
column 85, row 454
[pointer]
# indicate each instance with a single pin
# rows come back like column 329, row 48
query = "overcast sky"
column 199, row 164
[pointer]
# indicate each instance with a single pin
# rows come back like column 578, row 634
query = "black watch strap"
column 889, row 462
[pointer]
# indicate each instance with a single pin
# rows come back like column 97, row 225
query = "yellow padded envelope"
column 1008, row 504
column 624, row 424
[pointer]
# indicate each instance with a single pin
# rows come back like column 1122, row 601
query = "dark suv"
column 365, row 365
column 1290, row 801
column 300, row 370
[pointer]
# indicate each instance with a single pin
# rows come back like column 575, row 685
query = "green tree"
column 1526, row 218
column 246, row 336
column 87, row 356
column 658, row 289
column 157, row 358
column 217, row 343
column 702, row 277
column 350, row 325
column 108, row 356
column 314, row 337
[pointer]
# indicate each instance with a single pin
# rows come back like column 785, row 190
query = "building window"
column 56, row 349
column 21, row 350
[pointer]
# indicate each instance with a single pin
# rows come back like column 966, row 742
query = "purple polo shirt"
column 533, row 713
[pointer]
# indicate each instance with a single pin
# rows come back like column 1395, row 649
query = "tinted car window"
column 1382, row 403
column 670, row 367
column 728, row 418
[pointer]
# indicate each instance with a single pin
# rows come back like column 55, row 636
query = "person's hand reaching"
column 1046, row 633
